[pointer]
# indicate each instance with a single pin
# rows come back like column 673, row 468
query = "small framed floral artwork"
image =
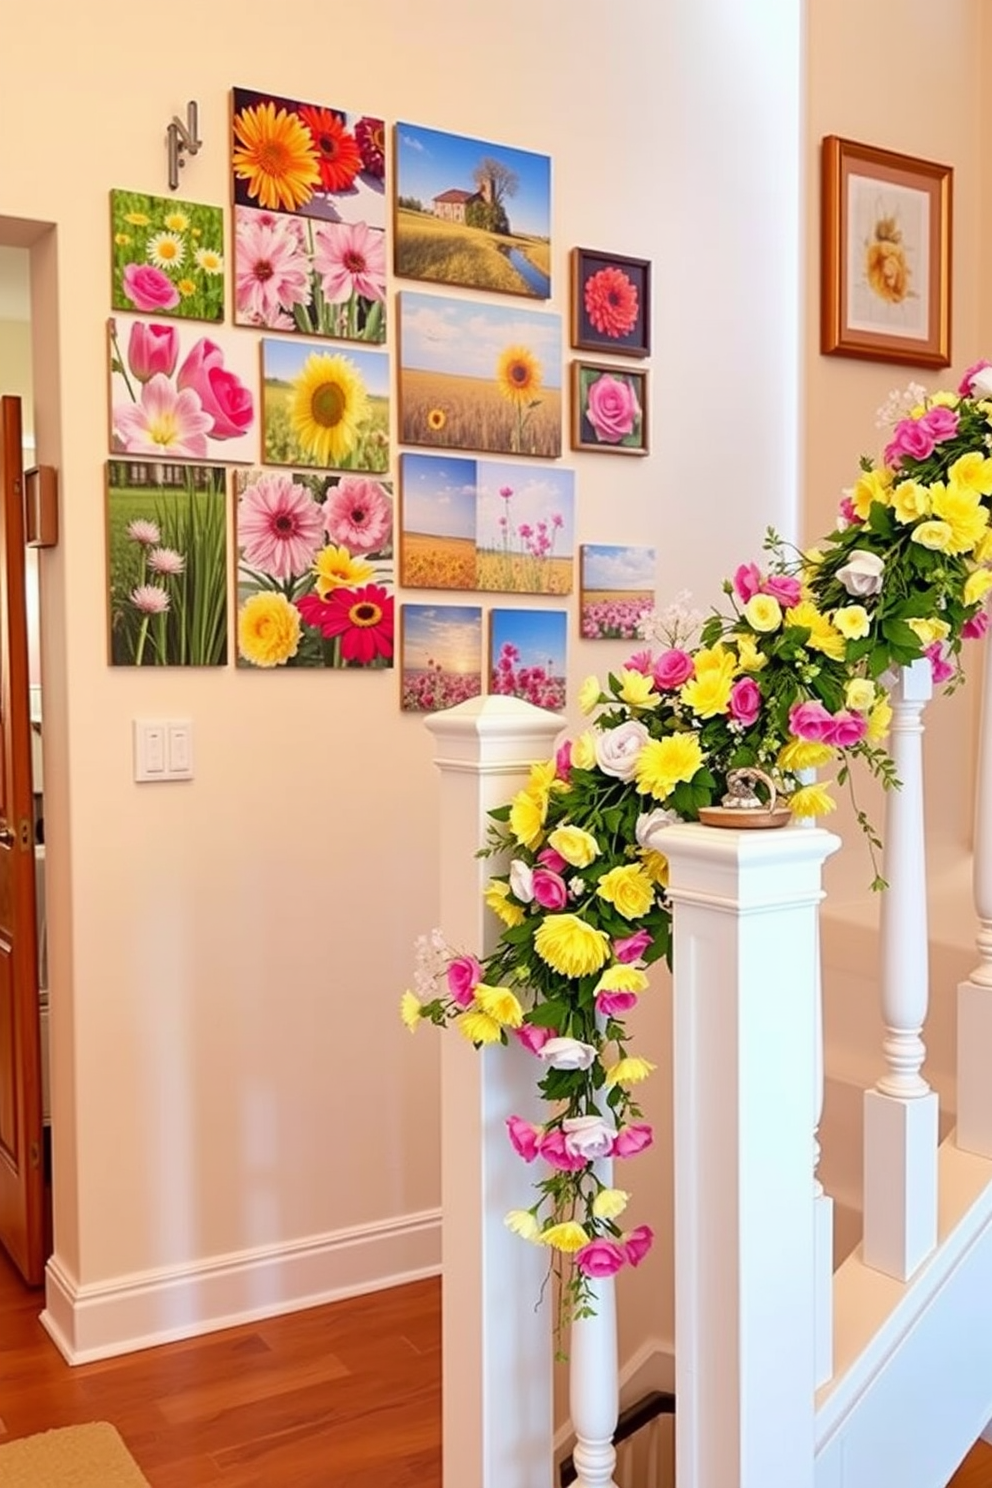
column 611, row 303
column 885, row 255
column 167, row 256
column 441, row 650
column 527, row 655
column 609, row 409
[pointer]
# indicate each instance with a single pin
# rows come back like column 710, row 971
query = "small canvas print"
column 315, row 570
column 611, row 303
column 527, row 650
column 616, row 590
column 309, row 159
column 479, row 377
column 486, row 525
column 167, row 256
column 325, row 407
column 609, row 409
column 167, row 563
column 179, row 395
column 472, row 213
column 441, row 650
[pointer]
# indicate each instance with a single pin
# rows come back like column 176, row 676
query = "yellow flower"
column 763, row 613
column 522, row 1223
column 973, row 472
column 122, row 239
column 934, row 535
column 929, row 630
column 500, row 1004
column 853, row 622
column 527, row 814
column 410, row 1010
column 609, row 1203
column 327, row 404
column 983, row 549
column 637, row 690
column 628, row 889
column 576, row 846
column 716, row 660
column 663, row 763
column 335, row 568
column 749, row 658
column 629, row 1071
column 478, row 1028
column 589, row 695
column 977, row 585
column 497, row 897
column 541, row 778
column 871, row 486
column 177, row 222
column 568, row 1236
column 268, row 629
column 274, row 153
column 569, row 946
column 859, row 695
column 137, row 219
column 812, row 558
column 709, row 694
column 887, row 270
column 803, row 754
column 622, row 978
column 812, row 800
column 963, row 512
column 584, row 751
column 518, row 375
column 879, row 720
column 944, row 400
column 655, row 866
column 822, row 635
column 209, row 260
column 910, row 501
column 186, row 287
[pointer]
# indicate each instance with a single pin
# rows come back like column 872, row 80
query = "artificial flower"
column 749, row 658
column 524, row 1137
column 933, row 534
column 568, row 1054
column 811, row 800
column 570, row 946
column 521, row 880
column 589, row 1136
column 823, row 636
column 584, row 751
column 871, row 486
column 497, row 897
column 589, row 694
column 637, row 1243
column 663, row 763
column 601, row 1257
column 629, row 1071
column 499, row 1004
column 910, row 501
column 609, row 1203
column 628, row 889
column 617, row 750
column 523, row 1223
column 879, row 721
column 853, row 622
column 568, row 1236
column 805, row 754
column 463, row 976
column 527, row 813
column 632, row 1139
column 635, row 689
column 862, row 574
column 977, row 585
column 860, row 694
column 410, row 1010
column 578, row 847
column 763, row 613
column 479, row 1028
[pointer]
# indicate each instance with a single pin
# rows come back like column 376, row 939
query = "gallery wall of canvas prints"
column 472, row 213
column 325, row 407
column 441, row 650
column 178, row 393
column 167, row 563
column 609, row 409
column 486, row 524
column 885, row 255
column 527, row 655
column 167, row 256
column 478, row 376
column 616, row 589
column 611, row 303
column 315, row 570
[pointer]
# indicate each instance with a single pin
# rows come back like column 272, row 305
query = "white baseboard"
column 98, row 1320
column 650, row 1367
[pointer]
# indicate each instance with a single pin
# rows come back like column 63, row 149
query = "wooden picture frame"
column 611, row 303
column 609, row 409
column 885, row 255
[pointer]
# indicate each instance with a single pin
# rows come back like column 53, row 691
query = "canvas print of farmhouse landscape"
column 472, row 213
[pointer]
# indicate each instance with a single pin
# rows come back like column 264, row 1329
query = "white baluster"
column 900, row 1136
column 496, row 1382
column 974, row 1129
column 594, row 1383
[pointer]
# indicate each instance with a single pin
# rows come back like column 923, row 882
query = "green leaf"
column 547, row 1015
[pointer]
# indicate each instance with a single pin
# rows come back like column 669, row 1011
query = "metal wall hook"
column 182, row 140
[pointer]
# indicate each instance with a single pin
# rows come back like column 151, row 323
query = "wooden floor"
column 976, row 1470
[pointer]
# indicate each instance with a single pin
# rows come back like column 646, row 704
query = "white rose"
column 650, row 822
column 981, row 383
column 567, row 1054
column 617, row 749
column 522, row 881
column 588, row 1136
column 862, row 573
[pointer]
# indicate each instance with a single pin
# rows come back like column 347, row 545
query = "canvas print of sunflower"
column 325, row 408
column 167, row 563
column 309, row 159
column 611, row 303
column 315, row 570
column 441, row 651
column 479, row 377
column 472, row 213
column 167, row 256
column 616, row 590
column 179, row 395
column 527, row 655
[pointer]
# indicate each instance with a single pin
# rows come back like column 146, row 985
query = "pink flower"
column 506, row 492
column 632, row 947
column 152, row 348
column 940, row 668
column 551, row 860
column 917, row 437
column 784, row 588
column 847, row 728
column 164, row 422
column 637, row 1243
column 358, row 514
column 964, row 386
column 150, row 599
column 614, row 1004
column 848, row 512
column 532, row 1037
column 271, row 271
column 975, row 628
column 464, row 975
column 601, row 1258
column 745, row 701
column 351, row 259
column 810, row 721
column 165, row 561
column 222, row 395
column 148, row 288
column 549, row 888
column 551, row 1146
column 941, row 423
column 612, row 408
column 524, row 1137
column 563, row 768
column 280, row 526
column 747, row 582
column 672, row 669
column 641, row 661
column 630, row 1140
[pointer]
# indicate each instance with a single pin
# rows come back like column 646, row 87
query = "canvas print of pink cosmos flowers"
column 616, row 590
column 167, row 563
column 179, row 396
column 167, row 256
column 324, row 408
column 527, row 656
column 441, row 651
column 315, row 570
column 609, row 409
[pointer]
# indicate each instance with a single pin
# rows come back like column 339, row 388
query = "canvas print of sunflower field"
column 167, row 563
column 167, row 256
column 315, row 570
column 479, row 377
column 324, row 408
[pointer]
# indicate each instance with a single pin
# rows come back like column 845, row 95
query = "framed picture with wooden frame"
column 609, row 409
column 885, row 255
column 611, row 303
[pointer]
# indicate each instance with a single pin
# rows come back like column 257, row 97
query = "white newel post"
column 745, row 971
column 497, row 1375
column 900, row 1134
column 974, row 1131
column 593, row 1378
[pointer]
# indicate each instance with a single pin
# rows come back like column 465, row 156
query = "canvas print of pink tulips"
column 167, row 256
column 325, row 407
column 178, row 395
column 441, row 656
column 527, row 655
column 616, row 590
column 294, row 274
column 167, row 563
column 609, row 409
column 315, row 570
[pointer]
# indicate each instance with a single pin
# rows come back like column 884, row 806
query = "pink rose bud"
column 630, row 1140
column 637, row 1243
column 848, row 512
column 783, row 587
column 810, row 721
column 975, row 628
column 940, row 668
column 550, row 889
column 641, row 661
column 532, row 1037
column 551, row 1146
column 524, row 1137
column 747, row 582
column 672, row 669
column 464, row 975
column 965, row 385
column 551, row 860
column 745, row 701
column 615, row 1004
column 848, row 729
column 563, row 760
column 601, row 1258
column 151, row 349
column 627, row 948
column 148, row 288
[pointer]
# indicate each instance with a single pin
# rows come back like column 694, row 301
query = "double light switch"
column 163, row 749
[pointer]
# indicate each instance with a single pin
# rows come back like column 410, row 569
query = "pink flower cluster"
column 535, row 684
column 749, row 581
column 555, row 1146
column 918, row 438
column 613, row 619
column 812, row 721
column 207, row 401
column 431, row 689
column 605, row 1257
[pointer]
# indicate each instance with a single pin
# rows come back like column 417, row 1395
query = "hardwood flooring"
column 976, row 1470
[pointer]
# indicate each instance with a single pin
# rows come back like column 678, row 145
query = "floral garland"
column 794, row 679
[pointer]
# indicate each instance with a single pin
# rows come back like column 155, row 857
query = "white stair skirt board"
column 102, row 1319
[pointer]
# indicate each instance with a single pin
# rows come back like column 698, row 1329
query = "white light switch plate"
column 163, row 749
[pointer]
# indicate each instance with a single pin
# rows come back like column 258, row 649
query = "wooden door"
column 21, row 1172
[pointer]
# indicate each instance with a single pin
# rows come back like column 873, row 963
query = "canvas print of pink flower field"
column 315, row 570
column 527, row 656
column 442, row 656
column 616, row 590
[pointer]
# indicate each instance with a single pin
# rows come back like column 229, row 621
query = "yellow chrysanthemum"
column 274, row 155
column 622, row 978
column 812, row 800
column 518, row 374
column 584, row 751
column 860, row 695
column 589, row 694
column 879, row 721
column 541, row 778
column 804, row 754
column 663, row 763
column 609, row 1203
column 763, row 613
column 576, row 846
column 568, row 1236
column 527, row 814
column 983, row 549
column 629, row 1071
column 629, row 889
column 636, row 690
column 268, row 629
column 973, row 472
column 977, row 585
column 934, row 535
column 929, row 631
column 522, row 1223
column 478, row 1028
column 822, row 635
column 410, row 1010
column 327, row 405
column 911, row 501
column 852, row 621
column 497, row 897
column 749, row 658
column 335, row 568
column 873, row 485
column 655, row 866
column 569, row 946
column 707, row 695
column 716, row 660
column 499, row 1004
column 963, row 512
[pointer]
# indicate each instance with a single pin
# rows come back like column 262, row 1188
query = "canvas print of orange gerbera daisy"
column 611, row 303
column 308, row 158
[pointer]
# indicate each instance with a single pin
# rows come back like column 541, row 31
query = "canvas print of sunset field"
column 441, row 656
column 616, row 590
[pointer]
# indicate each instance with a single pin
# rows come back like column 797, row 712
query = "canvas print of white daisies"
column 167, row 256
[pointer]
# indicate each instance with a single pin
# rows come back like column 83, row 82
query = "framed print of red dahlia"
column 611, row 303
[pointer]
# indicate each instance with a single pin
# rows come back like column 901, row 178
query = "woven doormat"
column 91, row 1456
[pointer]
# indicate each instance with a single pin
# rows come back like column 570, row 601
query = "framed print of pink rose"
column 609, row 409
column 611, row 303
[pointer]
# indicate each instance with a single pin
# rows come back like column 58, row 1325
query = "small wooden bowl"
column 743, row 819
